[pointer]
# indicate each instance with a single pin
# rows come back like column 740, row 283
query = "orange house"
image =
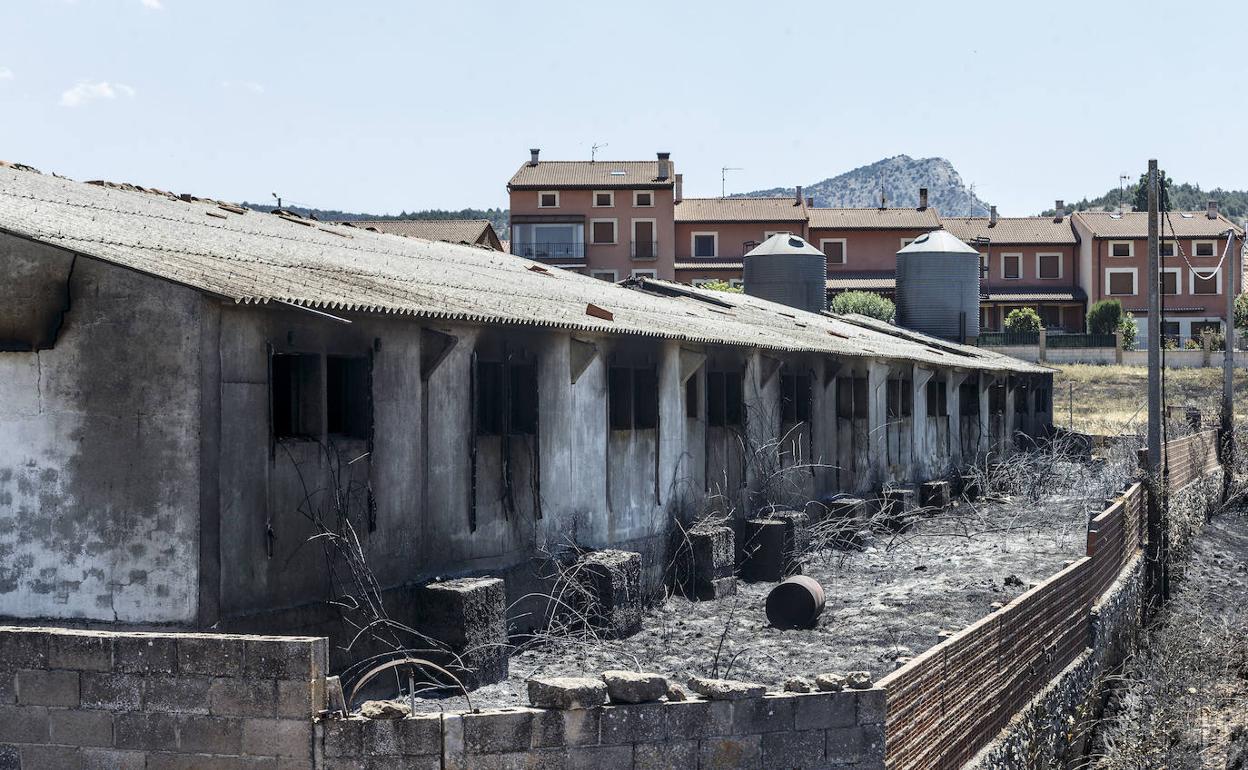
column 862, row 244
column 609, row 219
column 713, row 234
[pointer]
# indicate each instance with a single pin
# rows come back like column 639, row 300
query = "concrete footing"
column 968, row 486
column 772, row 547
column 612, row 583
column 934, row 494
column 470, row 617
column 843, row 517
column 707, row 567
column 897, row 508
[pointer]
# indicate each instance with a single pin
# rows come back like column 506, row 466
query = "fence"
column 950, row 702
column 1081, row 340
column 1008, row 339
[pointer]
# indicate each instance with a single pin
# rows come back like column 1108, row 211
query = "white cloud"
column 88, row 91
column 155, row 5
column 6, row 74
column 242, row 85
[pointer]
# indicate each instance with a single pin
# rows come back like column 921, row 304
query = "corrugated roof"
column 1134, row 224
column 1015, row 231
column 740, row 210
column 468, row 231
column 259, row 258
column 597, row 174
column 710, row 265
column 862, row 280
column 1036, row 294
column 874, row 219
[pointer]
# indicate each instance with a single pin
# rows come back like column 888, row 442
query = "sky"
column 389, row 106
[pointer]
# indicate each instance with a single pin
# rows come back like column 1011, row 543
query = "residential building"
column 861, row 244
column 1113, row 263
column 608, row 219
column 1026, row 262
column 713, row 234
column 470, row 232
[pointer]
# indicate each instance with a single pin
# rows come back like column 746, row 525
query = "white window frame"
column 768, row 233
column 1191, row 283
column 637, row 205
column 1161, row 248
column 1178, row 281
column 611, row 197
column 599, row 273
column 1212, row 244
column 1130, row 249
column 1015, row 255
column 844, row 249
column 541, row 193
column 985, row 265
column 1061, row 269
column 907, row 241
column 1135, row 281
column 693, row 238
column 647, row 272
column 654, row 228
column 615, row 232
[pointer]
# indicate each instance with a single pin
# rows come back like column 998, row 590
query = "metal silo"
column 786, row 269
column 938, row 286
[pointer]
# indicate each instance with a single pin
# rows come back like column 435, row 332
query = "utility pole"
column 1234, row 257
column 1156, row 553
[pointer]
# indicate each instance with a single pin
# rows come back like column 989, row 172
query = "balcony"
column 548, row 250
column 644, row 249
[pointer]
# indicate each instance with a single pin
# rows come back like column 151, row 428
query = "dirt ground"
column 1113, row 399
column 891, row 599
column 1184, row 703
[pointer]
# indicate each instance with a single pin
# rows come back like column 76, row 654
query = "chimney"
column 797, row 197
column 1061, row 211
column 810, row 202
column 533, row 153
column 1211, row 209
column 992, row 216
column 665, row 165
column 922, row 199
column 678, row 189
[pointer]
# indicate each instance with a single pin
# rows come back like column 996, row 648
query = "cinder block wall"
column 71, row 699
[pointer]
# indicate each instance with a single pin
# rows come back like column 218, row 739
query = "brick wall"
column 95, row 699
column 815, row 730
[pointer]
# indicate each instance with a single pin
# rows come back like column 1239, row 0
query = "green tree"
column 1241, row 312
column 721, row 286
column 1163, row 191
column 1107, row 317
column 864, row 303
column 1023, row 319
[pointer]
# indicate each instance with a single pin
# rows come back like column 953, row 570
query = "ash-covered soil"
column 890, row 600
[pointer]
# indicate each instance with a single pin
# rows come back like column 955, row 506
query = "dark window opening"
column 1020, row 401
column 691, row 398
column 1204, row 249
column 295, row 394
column 795, row 397
column 506, row 398
column 1042, row 400
column 632, row 398
column 900, row 398
column 851, row 398
column 996, row 400
column 937, row 399
column 968, row 399
column 723, row 399
column 348, row 400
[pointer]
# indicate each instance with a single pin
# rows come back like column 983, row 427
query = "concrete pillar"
column 877, row 421
column 1044, row 342
column 985, row 425
column 674, row 472
column 823, row 413
column 954, row 380
column 1007, row 437
column 921, row 440
column 1117, row 347
column 1206, row 350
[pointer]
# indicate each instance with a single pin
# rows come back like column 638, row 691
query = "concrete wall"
column 99, row 469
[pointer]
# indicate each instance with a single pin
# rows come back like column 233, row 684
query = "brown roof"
column 599, row 174
column 1134, row 224
column 470, row 231
column 863, row 281
column 1013, row 230
column 740, row 210
column 710, row 265
column 875, row 219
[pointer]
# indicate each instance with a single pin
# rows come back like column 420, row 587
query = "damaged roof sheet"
column 256, row 257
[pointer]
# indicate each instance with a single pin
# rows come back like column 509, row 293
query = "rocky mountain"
column 898, row 178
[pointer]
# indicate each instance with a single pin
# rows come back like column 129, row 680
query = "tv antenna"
column 593, row 151
column 1122, row 188
column 723, row 179
column 277, row 198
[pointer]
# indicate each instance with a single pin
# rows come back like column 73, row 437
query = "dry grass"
column 1110, row 400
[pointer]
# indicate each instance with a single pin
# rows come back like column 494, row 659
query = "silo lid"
column 783, row 243
column 937, row 242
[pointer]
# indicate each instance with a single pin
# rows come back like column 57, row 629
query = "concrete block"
column 10, row 757
column 277, row 738
column 242, row 697
column 210, row 735
column 114, row 692
column 633, row 723
column 469, row 616
column 595, row 758
column 111, row 759
column 498, row 731
column 79, row 727
column 177, row 694
column 761, row 550
column 300, row 699
column 696, row 719
column 566, row 692
column 634, row 687
column 664, row 756
column 145, row 655
column 209, row 656
column 725, row 689
column 872, row 707
column 708, row 565
column 795, row 748
column 23, row 724
column 824, row 710
column 934, row 495
column 612, row 584
column 23, row 648
column 283, row 658
column 897, row 506
column 763, row 715
column 343, row 737
column 574, row 727
column 145, row 732
column 47, row 688
column 731, row 753
column 83, row 651
column 845, row 744
column 50, row 757
column 968, row 486
column 420, row 735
